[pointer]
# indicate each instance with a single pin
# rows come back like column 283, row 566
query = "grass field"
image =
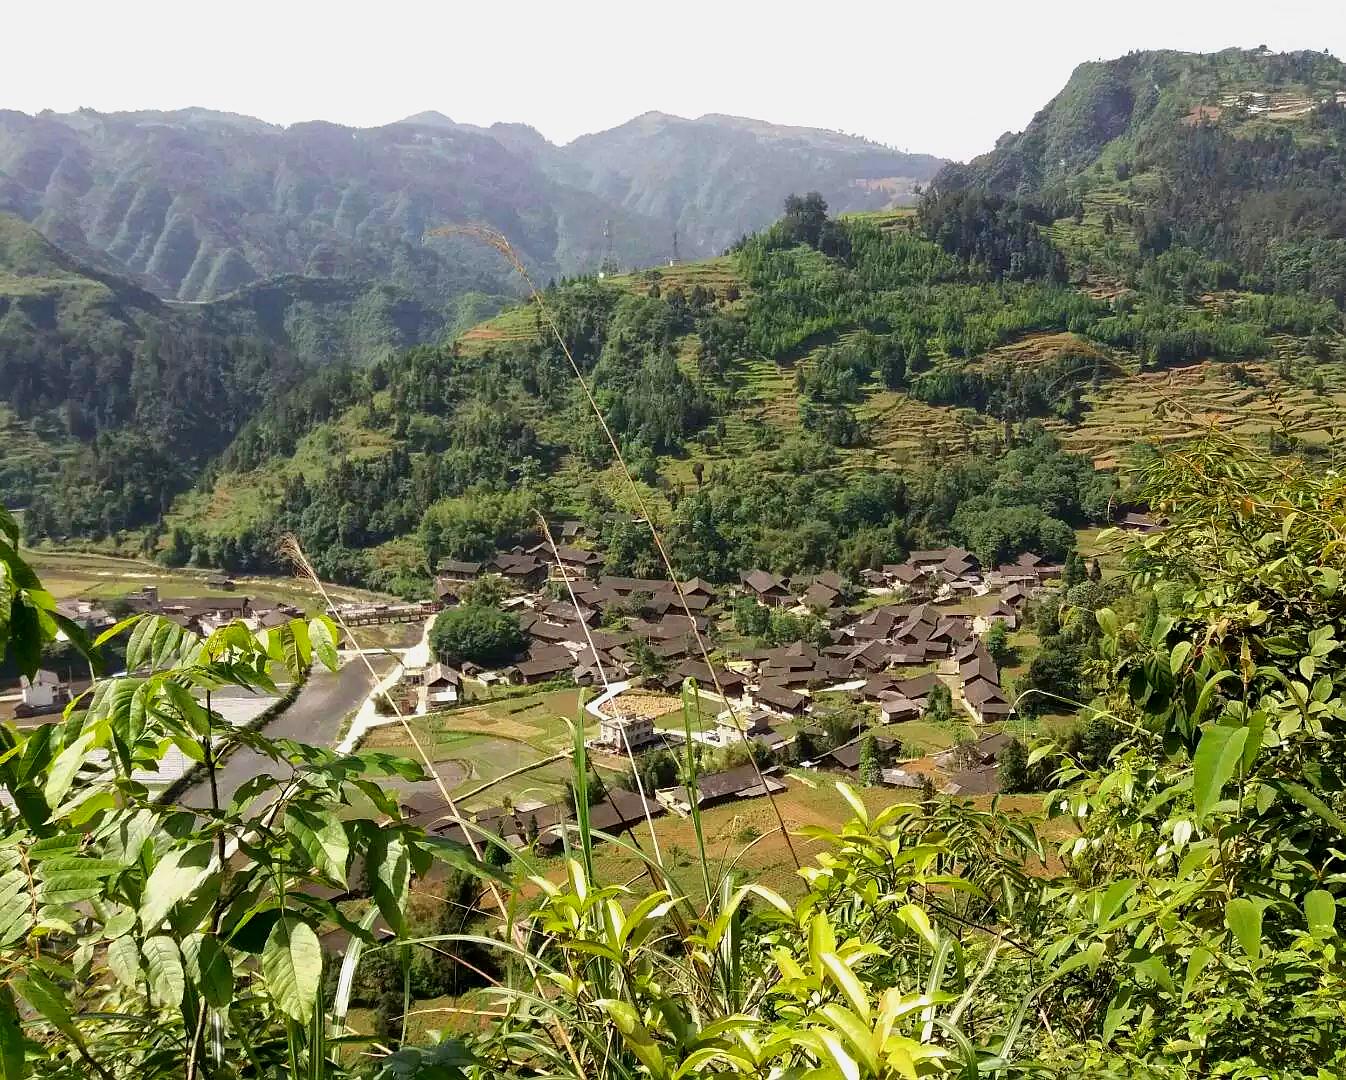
column 489, row 739
column 105, row 577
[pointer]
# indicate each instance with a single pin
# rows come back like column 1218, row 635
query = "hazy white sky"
column 941, row 77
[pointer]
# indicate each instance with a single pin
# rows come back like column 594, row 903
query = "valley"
column 710, row 598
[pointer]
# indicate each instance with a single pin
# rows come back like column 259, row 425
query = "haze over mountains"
column 194, row 204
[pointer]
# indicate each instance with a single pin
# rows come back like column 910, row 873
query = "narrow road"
column 315, row 717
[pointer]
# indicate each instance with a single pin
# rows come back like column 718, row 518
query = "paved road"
column 315, row 717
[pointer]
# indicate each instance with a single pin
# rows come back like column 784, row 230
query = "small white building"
column 442, row 685
column 43, row 690
column 620, row 732
column 727, row 726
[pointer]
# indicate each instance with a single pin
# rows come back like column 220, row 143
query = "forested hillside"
column 97, row 374
column 764, row 400
column 1239, row 155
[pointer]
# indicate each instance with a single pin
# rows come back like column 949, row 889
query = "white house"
column 620, row 732
column 42, row 691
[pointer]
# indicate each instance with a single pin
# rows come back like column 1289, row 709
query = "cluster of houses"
column 600, row 629
column 206, row 614
column 616, row 810
column 47, row 692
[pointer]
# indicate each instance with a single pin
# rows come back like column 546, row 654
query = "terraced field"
column 1181, row 403
column 519, row 323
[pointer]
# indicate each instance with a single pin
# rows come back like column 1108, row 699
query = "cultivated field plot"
column 105, row 577
column 516, row 325
column 1178, row 404
column 520, row 324
column 486, row 741
column 745, row 835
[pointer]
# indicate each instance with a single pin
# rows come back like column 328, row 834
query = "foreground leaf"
column 292, row 967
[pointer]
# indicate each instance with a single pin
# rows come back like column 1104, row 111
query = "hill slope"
column 92, row 367
column 195, row 204
column 717, row 178
column 832, row 394
column 1240, row 155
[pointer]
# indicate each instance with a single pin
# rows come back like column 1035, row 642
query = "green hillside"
column 97, row 373
column 1237, row 155
column 762, row 397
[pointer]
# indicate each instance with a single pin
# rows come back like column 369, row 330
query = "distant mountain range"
column 194, row 205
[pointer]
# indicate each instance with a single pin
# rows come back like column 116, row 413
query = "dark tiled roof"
column 779, row 696
column 740, row 781
column 762, row 582
column 458, row 566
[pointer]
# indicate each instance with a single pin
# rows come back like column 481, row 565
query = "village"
column 887, row 645
column 882, row 654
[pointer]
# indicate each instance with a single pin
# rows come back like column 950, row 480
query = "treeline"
column 1000, row 236
column 1027, row 496
column 147, row 413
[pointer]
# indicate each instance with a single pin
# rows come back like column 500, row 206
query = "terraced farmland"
column 1180, row 403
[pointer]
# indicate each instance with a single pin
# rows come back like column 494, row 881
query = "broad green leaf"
column 390, row 876
column 175, row 877
column 845, row 1064
column 48, row 999
column 636, row 1036
column 856, row 1033
column 123, row 960
column 322, row 838
column 1111, row 902
column 1107, row 621
column 847, row 982
column 163, row 965
column 1310, row 801
column 1196, row 963
column 848, row 793
column 1216, row 758
column 292, row 967
column 1181, row 651
column 323, row 637
column 1153, row 968
column 916, row 918
column 1320, row 910
column 62, row 772
column 1244, row 919
column 12, row 1051
column 207, row 965
column 7, row 589
column 1090, row 957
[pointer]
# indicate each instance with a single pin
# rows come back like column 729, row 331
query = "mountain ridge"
column 195, row 203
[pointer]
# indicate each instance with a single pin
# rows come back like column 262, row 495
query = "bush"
column 481, row 635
